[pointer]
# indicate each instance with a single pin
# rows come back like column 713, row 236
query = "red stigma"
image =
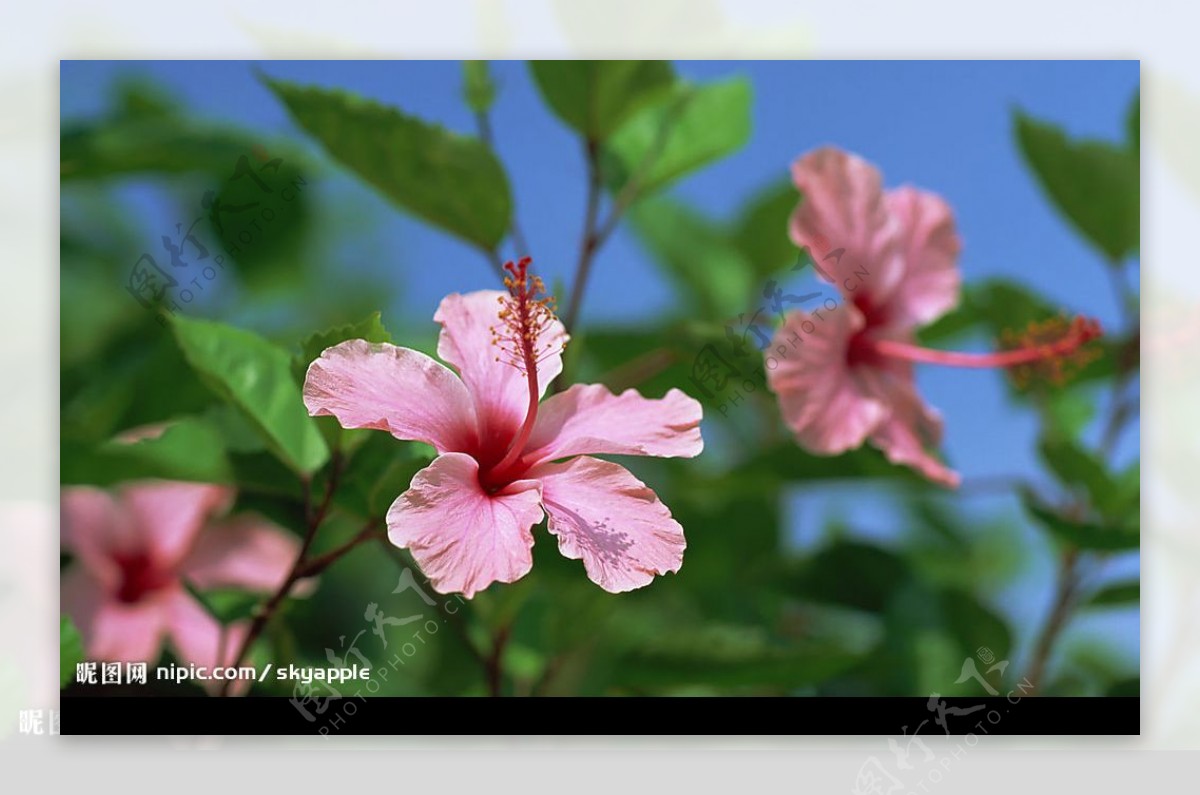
column 525, row 313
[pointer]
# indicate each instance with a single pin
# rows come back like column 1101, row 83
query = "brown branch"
column 1064, row 601
column 484, row 124
column 495, row 667
column 639, row 369
column 313, row 517
column 317, row 565
column 589, row 242
column 1120, row 411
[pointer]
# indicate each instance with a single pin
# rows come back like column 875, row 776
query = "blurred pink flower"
column 503, row 459
column 135, row 548
column 844, row 374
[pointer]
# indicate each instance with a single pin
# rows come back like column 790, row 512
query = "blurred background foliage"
column 780, row 593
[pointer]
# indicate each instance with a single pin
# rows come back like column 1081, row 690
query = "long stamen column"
column 525, row 313
column 1052, row 342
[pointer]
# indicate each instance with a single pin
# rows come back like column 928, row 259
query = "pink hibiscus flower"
column 505, row 457
column 136, row 547
column 893, row 257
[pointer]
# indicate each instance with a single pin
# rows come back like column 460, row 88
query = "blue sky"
column 943, row 126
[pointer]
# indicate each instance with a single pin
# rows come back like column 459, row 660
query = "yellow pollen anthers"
column 1064, row 347
column 525, row 314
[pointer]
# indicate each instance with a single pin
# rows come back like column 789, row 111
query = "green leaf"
column 379, row 471
column 595, row 97
column 70, row 651
column 698, row 257
column 369, row 328
column 690, row 128
column 254, row 375
column 1069, row 412
column 1115, row 499
column 450, row 180
column 719, row 589
column 237, row 432
column 1126, row 500
column 1117, row 594
column 878, row 574
column 1125, row 688
column 139, row 98
column 787, row 462
column 264, row 474
column 227, row 605
column 1095, row 184
column 1082, row 533
column 1076, row 467
column 261, row 214
column 191, row 449
column 761, row 229
column 149, row 145
column 972, row 623
column 736, row 656
column 479, row 89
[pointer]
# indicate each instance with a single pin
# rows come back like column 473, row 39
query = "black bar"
column 808, row 716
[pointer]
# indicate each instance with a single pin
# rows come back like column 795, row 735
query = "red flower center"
column 139, row 577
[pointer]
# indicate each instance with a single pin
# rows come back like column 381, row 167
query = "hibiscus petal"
column 614, row 522
column 93, row 525
column 393, row 389
column 929, row 246
column 463, row 538
column 500, row 391
column 910, row 428
column 169, row 515
column 244, row 552
column 112, row 630
column 588, row 418
column 844, row 223
column 201, row 640
column 822, row 398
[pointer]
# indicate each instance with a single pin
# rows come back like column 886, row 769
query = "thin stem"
column 484, row 124
column 314, row 516
column 493, row 257
column 633, row 185
column 1120, row 409
column 1119, row 413
column 595, row 236
column 993, row 484
column 589, row 242
column 495, row 667
column 1060, row 612
column 639, row 369
column 317, row 565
